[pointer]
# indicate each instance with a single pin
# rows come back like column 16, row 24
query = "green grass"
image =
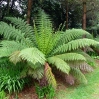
column 89, row 91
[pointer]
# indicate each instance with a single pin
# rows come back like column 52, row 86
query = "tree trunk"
column 12, row 5
column 84, row 16
column 8, row 7
column 29, row 10
column 66, row 14
column 84, row 20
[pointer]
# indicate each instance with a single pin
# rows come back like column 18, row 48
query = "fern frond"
column 32, row 55
column 78, row 75
column 53, row 43
column 11, row 33
column 59, row 63
column 75, row 44
column 25, row 28
column 71, row 57
column 38, row 73
column 85, row 67
column 7, row 47
column 81, row 65
column 43, row 32
column 24, row 72
column 49, row 76
column 14, row 57
column 88, row 58
column 72, row 34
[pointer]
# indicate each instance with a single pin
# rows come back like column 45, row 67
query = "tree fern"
column 7, row 47
column 11, row 33
column 75, row 44
column 59, row 63
column 37, row 73
column 71, row 57
column 88, row 57
column 81, row 65
column 41, row 44
column 32, row 55
column 72, row 34
column 14, row 57
column 22, row 25
column 78, row 75
column 43, row 32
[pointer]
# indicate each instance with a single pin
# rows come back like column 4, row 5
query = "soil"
column 26, row 93
column 29, row 92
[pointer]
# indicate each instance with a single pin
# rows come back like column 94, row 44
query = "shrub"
column 46, row 91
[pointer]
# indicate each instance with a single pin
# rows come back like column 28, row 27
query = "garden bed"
column 89, row 91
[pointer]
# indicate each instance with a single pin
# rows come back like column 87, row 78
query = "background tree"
column 29, row 10
column 56, row 9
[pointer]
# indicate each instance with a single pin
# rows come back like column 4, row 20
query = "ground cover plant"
column 43, row 50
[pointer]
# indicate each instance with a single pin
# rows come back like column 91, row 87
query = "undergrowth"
column 89, row 91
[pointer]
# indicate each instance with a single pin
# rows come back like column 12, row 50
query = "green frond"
column 81, row 65
column 53, row 43
column 71, row 57
column 8, row 47
column 49, row 76
column 78, row 75
column 22, row 25
column 24, row 72
column 38, row 73
column 59, row 63
column 72, row 34
column 14, row 57
column 32, row 55
column 75, row 44
column 43, row 32
column 11, row 33
column 88, row 57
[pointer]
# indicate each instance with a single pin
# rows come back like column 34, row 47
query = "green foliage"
column 59, row 63
column 11, row 84
column 10, row 78
column 27, row 31
column 47, row 91
column 7, row 47
column 32, row 55
column 79, row 75
column 72, row 57
column 74, row 45
column 95, row 54
column 35, row 46
column 83, row 66
column 72, row 34
column 3, row 95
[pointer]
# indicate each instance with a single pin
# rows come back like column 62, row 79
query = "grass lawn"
column 89, row 91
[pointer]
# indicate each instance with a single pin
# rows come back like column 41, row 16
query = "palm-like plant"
column 41, row 48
